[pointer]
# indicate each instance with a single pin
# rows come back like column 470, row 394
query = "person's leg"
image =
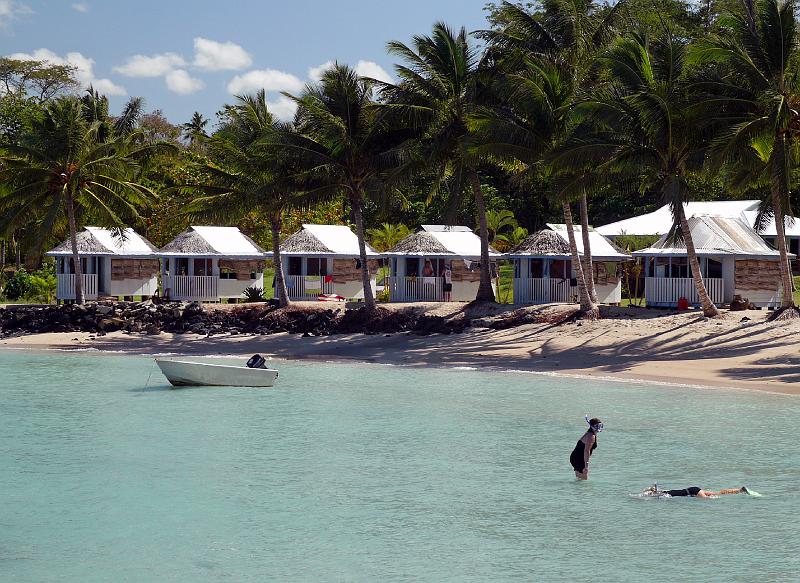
column 726, row 491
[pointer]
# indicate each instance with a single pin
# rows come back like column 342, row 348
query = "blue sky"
column 192, row 55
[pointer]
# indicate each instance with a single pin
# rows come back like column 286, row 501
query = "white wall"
column 729, row 278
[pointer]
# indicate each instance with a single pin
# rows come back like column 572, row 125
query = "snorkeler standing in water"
column 579, row 458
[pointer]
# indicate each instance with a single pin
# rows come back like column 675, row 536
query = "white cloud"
column 315, row 73
column 215, row 56
column 84, row 69
column 373, row 70
column 267, row 79
column 80, row 7
column 364, row 68
column 154, row 66
column 282, row 108
column 10, row 10
column 179, row 81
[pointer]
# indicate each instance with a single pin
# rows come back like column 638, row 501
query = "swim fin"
column 750, row 492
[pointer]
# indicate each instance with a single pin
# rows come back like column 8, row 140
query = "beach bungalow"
column 114, row 263
column 543, row 267
column 324, row 259
column 734, row 260
column 438, row 263
column 659, row 222
column 207, row 264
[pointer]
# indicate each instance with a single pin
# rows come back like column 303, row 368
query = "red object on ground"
column 683, row 304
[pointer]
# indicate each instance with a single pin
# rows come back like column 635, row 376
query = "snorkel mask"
column 598, row 427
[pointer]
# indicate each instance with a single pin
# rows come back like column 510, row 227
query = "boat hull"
column 182, row 373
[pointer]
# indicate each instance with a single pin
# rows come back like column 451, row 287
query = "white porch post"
column 215, row 267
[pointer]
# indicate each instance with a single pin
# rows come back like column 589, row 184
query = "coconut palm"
column 510, row 239
column 65, row 166
column 755, row 100
column 499, row 221
column 645, row 127
column 195, row 129
column 345, row 143
column 548, row 58
column 245, row 175
column 436, row 97
column 387, row 235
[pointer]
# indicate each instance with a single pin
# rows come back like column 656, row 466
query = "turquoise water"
column 373, row 473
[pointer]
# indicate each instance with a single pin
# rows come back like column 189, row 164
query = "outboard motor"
column 257, row 361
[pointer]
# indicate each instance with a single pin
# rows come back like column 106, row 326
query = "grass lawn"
column 797, row 290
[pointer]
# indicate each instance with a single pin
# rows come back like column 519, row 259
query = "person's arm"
column 587, row 451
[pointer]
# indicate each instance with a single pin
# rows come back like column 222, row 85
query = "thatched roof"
column 303, row 242
column 102, row 241
column 87, row 245
column 189, row 242
column 422, row 243
column 544, row 242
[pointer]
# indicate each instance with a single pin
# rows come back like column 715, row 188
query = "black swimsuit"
column 690, row 491
column 576, row 457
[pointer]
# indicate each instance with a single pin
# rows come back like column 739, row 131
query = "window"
column 794, row 246
column 316, row 266
column 714, row 269
column 412, row 267
column 679, row 267
column 227, row 273
column 181, row 267
column 537, row 268
column 202, row 267
column 295, row 266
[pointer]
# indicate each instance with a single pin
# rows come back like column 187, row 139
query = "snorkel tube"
column 597, row 427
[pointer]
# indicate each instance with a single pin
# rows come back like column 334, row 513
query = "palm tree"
column 345, row 143
column 498, row 221
column 755, row 100
column 64, row 167
column 548, row 58
column 195, row 128
column 437, row 96
column 510, row 239
column 387, row 235
column 244, row 174
column 644, row 126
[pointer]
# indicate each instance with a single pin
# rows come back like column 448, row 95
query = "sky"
column 184, row 56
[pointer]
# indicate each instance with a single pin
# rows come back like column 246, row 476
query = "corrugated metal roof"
column 455, row 240
column 716, row 236
column 204, row 241
column 101, row 241
column 539, row 245
column 339, row 239
column 659, row 221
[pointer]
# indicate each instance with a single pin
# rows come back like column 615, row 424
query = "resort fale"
column 438, row 263
column 324, row 260
column 543, row 270
column 114, row 263
column 211, row 263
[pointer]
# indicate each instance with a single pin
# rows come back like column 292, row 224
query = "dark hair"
column 594, row 422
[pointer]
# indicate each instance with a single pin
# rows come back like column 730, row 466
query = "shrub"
column 42, row 286
column 18, row 285
column 254, row 294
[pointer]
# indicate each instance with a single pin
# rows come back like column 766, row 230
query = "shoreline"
column 680, row 350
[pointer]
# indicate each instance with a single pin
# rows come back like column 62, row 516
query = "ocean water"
column 347, row 472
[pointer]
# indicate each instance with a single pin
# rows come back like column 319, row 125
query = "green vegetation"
column 608, row 108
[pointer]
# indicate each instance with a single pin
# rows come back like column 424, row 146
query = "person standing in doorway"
column 448, row 282
column 579, row 458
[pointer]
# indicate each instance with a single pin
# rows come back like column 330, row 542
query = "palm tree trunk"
column 709, row 309
column 280, row 282
column 369, row 299
column 588, row 268
column 76, row 258
column 485, row 291
column 588, row 308
column 787, row 296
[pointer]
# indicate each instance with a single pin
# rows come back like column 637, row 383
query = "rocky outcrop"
column 192, row 318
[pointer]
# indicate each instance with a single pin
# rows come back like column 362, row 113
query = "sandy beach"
column 740, row 350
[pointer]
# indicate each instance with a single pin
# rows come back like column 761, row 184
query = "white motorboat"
column 184, row 373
